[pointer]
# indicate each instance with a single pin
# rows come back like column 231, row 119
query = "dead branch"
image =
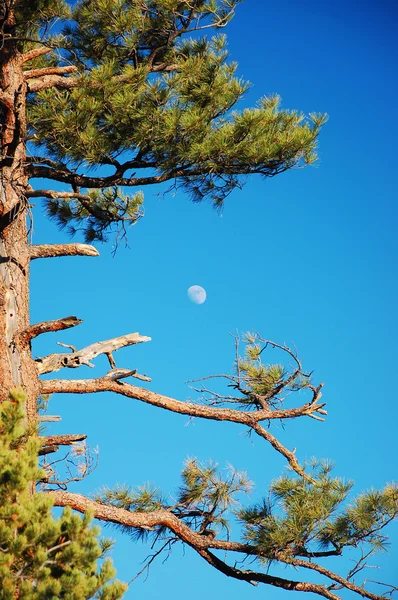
column 48, row 450
column 54, row 250
column 49, row 418
column 79, row 462
column 62, row 440
column 117, row 374
column 55, row 362
column 48, row 327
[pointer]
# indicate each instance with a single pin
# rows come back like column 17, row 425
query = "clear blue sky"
column 308, row 258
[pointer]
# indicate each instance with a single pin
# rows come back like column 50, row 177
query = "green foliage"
column 203, row 486
column 41, row 557
column 202, row 500
column 162, row 101
column 34, row 17
column 302, row 516
column 96, row 213
column 257, row 380
column 143, row 499
column 363, row 520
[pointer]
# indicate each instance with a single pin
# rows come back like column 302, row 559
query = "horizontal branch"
column 50, row 81
column 250, row 419
column 54, row 194
column 62, row 440
column 49, row 71
column 49, row 418
column 55, row 79
column 105, row 384
column 77, row 358
column 48, row 327
column 54, row 250
column 199, row 543
column 64, row 175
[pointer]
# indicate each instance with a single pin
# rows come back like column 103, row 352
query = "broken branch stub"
column 54, row 250
column 67, row 439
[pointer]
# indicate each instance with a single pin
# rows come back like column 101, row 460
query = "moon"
column 197, row 294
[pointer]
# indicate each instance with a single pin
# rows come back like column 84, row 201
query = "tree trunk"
column 17, row 367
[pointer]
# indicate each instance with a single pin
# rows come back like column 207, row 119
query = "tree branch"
column 55, row 194
column 62, row 440
column 48, row 327
column 199, row 543
column 50, row 81
column 55, row 362
column 104, row 384
column 333, row 576
column 49, row 71
column 54, row 250
column 253, row 576
column 63, row 174
column 48, row 450
column 248, row 418
column 49, row 418
column 35, row 53
column 53, row 79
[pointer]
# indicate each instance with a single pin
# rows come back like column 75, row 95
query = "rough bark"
column 17, row 367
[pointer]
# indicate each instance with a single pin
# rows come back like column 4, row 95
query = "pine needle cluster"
column 310, row 518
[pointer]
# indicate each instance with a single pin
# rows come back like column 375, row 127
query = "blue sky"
column 307, row 258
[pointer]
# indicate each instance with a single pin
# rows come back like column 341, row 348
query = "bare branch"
column 55, row 362
column 117, row 374
column 289, row 455
column 48, row 450
column 62, row 440
column 77, row 463
column 54, row 250
column 49, row 326
column 333, row 576
column 49, row 418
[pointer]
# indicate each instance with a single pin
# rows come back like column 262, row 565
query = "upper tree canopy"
column 139, row 87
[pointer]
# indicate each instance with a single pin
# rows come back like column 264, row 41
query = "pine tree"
column 107, row 95
column 42, row 557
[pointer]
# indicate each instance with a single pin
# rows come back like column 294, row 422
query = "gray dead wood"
column 49, row 418
column 77, row 358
